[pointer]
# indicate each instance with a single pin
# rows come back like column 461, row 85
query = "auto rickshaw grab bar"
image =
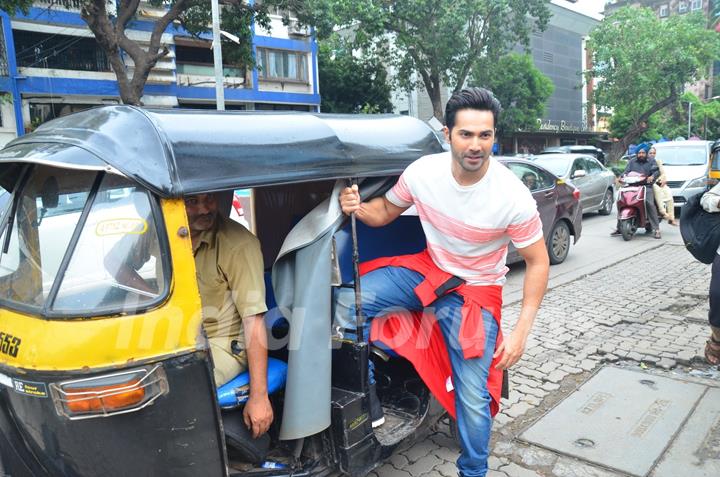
column 359, row 318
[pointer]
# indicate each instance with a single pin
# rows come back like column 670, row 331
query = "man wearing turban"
column 649, row 168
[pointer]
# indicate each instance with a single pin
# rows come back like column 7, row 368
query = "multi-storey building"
column 51, row 65
column 559, row 53
column 665, row 8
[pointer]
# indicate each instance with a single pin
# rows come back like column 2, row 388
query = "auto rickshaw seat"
column 235, row 392
column 401, row 237
column 274, row 319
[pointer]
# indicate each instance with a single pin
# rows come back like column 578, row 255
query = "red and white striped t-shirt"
column 468, row 228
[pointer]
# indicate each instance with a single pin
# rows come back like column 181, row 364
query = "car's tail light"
column 110, row 394
column 576, row 193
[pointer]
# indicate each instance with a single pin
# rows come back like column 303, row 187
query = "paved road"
column 595, row 250
column 638, row 304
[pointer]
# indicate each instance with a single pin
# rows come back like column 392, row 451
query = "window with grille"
column 282, row 65
column 4, row 70
column 696, row 5
column 682, row 7
column 664, row 11
column 62, row 52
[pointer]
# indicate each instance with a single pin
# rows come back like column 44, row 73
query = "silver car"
column 686, row 167
column 595, row 182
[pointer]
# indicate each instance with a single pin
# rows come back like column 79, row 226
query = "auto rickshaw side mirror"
column 50, row 195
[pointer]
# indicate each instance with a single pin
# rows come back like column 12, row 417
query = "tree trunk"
column 112, row 39
column 618, row 148
column 431, row 81
column 640, row 126
column 129, row 93
column 436, row 100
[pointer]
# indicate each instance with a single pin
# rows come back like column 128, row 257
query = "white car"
column 686, row 166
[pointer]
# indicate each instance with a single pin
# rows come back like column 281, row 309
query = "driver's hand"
column 350, row 199
column 258, row 414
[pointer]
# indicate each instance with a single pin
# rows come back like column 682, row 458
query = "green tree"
column 705, row 118
column 622, row 119
column 642, row 64
column 431, row 43
column 521, row 88
column 109, row 20
column 350, row 83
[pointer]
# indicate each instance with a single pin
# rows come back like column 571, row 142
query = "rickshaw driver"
column 229, row 267
column 470, row 207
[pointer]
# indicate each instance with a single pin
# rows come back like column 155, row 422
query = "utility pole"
column 217, row 57
column 689, row 118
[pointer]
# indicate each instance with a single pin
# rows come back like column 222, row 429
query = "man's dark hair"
column 471, row 98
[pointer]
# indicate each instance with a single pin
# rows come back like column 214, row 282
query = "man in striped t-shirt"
column 470, row 207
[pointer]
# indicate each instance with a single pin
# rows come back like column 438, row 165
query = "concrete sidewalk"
column 645, row 313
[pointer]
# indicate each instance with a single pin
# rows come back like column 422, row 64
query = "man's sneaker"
column 377, row 416
column 614, row 233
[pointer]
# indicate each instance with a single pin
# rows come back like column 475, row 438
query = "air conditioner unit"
column 297, row 29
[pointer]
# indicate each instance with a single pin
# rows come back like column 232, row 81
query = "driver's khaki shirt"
column 230, row 275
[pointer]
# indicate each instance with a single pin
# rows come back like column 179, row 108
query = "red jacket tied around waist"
column 416, row 336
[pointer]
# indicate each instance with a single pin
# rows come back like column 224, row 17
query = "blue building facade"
column 51, row 65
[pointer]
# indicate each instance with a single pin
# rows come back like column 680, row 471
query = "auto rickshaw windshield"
column 80, row 243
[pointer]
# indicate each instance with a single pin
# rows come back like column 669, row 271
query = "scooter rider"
column 647, row 167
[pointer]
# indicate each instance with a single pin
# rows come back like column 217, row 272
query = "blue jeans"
column 391, row 289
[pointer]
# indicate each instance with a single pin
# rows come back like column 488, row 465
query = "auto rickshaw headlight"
column 110, row 394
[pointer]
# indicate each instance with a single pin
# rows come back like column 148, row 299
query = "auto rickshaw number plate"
column 625, row 419
column 28, row 388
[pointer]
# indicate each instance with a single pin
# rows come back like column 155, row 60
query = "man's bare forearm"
column 256, row 349
column 534, row 286
column 513, row 346
column 374, row 213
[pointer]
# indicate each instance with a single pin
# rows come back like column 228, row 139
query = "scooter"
column 632, row 212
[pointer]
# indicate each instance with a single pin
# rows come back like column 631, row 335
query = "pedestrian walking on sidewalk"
column 470, row 207
column 711, row 202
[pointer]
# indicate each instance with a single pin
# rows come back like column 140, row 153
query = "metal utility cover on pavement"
column 696, row 450
column 621, row 419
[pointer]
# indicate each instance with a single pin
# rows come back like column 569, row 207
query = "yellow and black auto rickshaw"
column 100, row 378
column 714, row 173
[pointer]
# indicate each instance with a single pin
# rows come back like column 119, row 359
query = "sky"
column 588, row 7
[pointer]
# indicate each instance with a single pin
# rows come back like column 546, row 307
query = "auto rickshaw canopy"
column 176, row 152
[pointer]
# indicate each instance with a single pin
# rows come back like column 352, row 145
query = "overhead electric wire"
column 70, row 41
column 54, row 53
column 61, row 32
